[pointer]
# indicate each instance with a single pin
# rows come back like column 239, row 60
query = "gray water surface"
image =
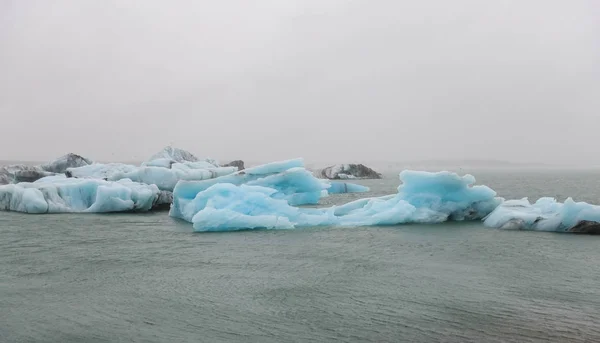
column 147, row 278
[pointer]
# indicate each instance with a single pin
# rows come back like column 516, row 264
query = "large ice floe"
column 58, row 194
column 546, row 214
column 76, row 184
column 163, row 169
column 288, row 179
column 422, row 198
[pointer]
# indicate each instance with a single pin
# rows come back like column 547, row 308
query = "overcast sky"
column 326, row 80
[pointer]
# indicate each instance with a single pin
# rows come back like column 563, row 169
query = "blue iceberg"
column 422, row 198
column 289, row 180
column 546, row 214
column 58, row 194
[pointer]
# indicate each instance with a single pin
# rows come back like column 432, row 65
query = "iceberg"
column 174, row 154
column 169, row 155
column 61, row 164
column 26, row 173
column 290, row 180
column 164, row 178
column 546, row 214
column 422, row 197
column 235, row 163
column 348, row 171
column 58, row 194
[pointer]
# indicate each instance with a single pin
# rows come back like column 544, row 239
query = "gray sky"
column 326, row 80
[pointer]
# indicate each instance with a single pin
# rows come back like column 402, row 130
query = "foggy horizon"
column 332, row 81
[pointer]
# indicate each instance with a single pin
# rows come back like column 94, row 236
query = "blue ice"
column 422, row 198
column 546, row 214
column 290, row 180
column 56, row 194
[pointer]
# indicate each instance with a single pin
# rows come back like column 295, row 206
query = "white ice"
column 546, row 214
column 164, row 178
column 56, row 194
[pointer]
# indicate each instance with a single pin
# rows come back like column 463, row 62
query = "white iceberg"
column 546, row 214
column 164, row 178
column 169, row 155
column 174, row 154
column 58, row 194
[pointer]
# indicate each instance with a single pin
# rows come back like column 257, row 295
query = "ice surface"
column 159, row 162
column 296, row 186
column 200, row 165
column 422, row 198
column 101, row 171
column 290, row 180
column 55, row 194
column 546, row 214
column 164, row 178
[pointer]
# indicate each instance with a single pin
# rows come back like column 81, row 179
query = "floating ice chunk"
column 291, row 180
column 296, row 185
column 57, row 194
column 348, row 171
column 422, row 198
column 546, row 214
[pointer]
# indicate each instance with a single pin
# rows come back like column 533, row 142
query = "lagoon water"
column 147, row 278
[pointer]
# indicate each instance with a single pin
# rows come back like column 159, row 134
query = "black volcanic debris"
column 237, row 163
column 348, row 171
column 61, row 164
